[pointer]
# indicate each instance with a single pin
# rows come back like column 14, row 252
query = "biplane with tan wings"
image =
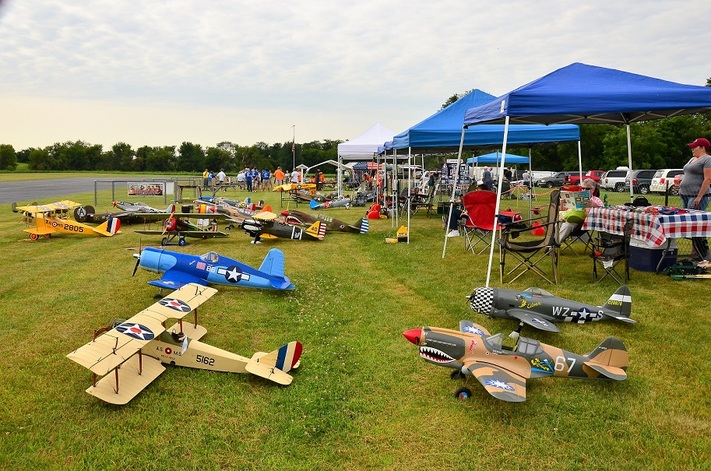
column 45, row 220
column 127, row 357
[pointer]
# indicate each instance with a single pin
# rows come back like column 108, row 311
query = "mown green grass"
column 362, row 399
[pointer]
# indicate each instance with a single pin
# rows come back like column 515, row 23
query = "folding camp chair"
column 578, row 235
column 609, row 251
column 530, row 253
column 478, row 224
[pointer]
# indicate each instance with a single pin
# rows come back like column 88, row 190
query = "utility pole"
column 293, row 146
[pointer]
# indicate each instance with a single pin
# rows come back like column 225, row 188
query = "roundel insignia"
column 168, row 350
column 54, row 223
column 175, row 304
column 136, row 331
column 233, row 274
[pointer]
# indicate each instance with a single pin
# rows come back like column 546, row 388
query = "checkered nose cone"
column 482, row 300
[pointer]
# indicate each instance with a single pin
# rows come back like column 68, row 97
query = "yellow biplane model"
column 47, row 219
column 127, row 357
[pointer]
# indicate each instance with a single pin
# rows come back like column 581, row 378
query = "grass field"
column 362, row 399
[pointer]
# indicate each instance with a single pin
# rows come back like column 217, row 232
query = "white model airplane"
column 127, row 358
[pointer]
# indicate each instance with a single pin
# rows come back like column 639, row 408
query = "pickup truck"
column 575, row 178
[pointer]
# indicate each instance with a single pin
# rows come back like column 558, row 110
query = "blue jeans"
column 700, row 244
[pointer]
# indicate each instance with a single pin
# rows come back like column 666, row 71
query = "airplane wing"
column 201, row 234
column 116, row 346
column 500, row 383
column 533, row 319
column 174, row 279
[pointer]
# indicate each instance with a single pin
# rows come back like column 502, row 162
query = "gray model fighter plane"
column 540, row 309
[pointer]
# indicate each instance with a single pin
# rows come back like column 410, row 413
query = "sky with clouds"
column 161, row 72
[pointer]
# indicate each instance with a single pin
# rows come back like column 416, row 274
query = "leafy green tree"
column 120, row 157
column 8, row 159
column 41, row 159
column 218, row 158
column 191, row 157
column 161, row 159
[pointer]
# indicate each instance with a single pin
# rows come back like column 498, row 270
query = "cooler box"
column 646, row 258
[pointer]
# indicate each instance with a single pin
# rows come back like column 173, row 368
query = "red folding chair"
column 478, row 224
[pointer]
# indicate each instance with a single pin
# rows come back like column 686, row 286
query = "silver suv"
column 614, row 180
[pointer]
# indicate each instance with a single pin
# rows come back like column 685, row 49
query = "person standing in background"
column 694, row 191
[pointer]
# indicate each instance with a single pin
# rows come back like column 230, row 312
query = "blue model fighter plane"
column 540, row 309
column 179, row 269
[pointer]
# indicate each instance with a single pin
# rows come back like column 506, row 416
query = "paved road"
column 26, row 192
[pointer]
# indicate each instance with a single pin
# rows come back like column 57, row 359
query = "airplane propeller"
column 138, row 258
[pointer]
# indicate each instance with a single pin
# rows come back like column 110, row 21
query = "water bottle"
column 604, row 200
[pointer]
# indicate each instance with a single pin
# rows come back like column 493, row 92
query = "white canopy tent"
column 363, row 147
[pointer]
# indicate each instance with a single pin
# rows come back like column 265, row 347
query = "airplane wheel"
column 181, row 242
column 80, row 214
column 456, row 374
column 463, row 393
column 164, row 241
column 34, row 237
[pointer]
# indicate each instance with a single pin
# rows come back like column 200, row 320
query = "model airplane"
column 337, row 203
column 45, row 220
column 128, row 356
column 177, row 225
column 540, row 309
column 264, row 224
column 472, row 351
column 131, row 213
column 179, row 269
column 332, row 224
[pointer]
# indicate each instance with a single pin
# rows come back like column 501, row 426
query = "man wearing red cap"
column 694, row 188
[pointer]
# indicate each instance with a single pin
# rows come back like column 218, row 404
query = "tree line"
column 655, row 144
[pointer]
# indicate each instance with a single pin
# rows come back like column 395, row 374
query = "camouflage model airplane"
column 472, row 351
column 178, row 269
column 128, row 356
column 48, row 219
column 332, row 224
column 540, row 309
column 131, row 213
column 263, row 224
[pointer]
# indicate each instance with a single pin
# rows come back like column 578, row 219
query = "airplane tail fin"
column 274, row 366
column 610, row 359
column 313, row 204
column 273, row 264
column 621, row 303
column 317, row 230
column 110, row 227
column 362, row 225
column 171, row 208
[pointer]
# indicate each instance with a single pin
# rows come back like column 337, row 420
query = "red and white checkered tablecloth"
column 650, row 227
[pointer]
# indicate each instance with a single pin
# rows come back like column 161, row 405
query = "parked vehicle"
column 556, row 180
column 614, row 180
column 574, row 179
column 663, row 179
column 640, row 179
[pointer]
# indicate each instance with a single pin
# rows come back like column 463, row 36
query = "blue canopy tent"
column 495, row 158
column 443, row 131
column 581, row 93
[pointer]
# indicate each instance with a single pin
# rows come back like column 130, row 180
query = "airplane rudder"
column 288, row 356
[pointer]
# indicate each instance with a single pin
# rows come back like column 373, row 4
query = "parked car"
column 663, row 179
column 556, row 180
column 614, row 180
column 641, row 180
column 574, row 179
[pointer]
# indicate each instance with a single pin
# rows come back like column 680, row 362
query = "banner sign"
column 146, row 189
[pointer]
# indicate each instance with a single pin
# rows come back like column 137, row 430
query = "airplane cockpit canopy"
column 539, row 291
column 210, row 257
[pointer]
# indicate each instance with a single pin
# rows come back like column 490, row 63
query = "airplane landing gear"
column 463, row 393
